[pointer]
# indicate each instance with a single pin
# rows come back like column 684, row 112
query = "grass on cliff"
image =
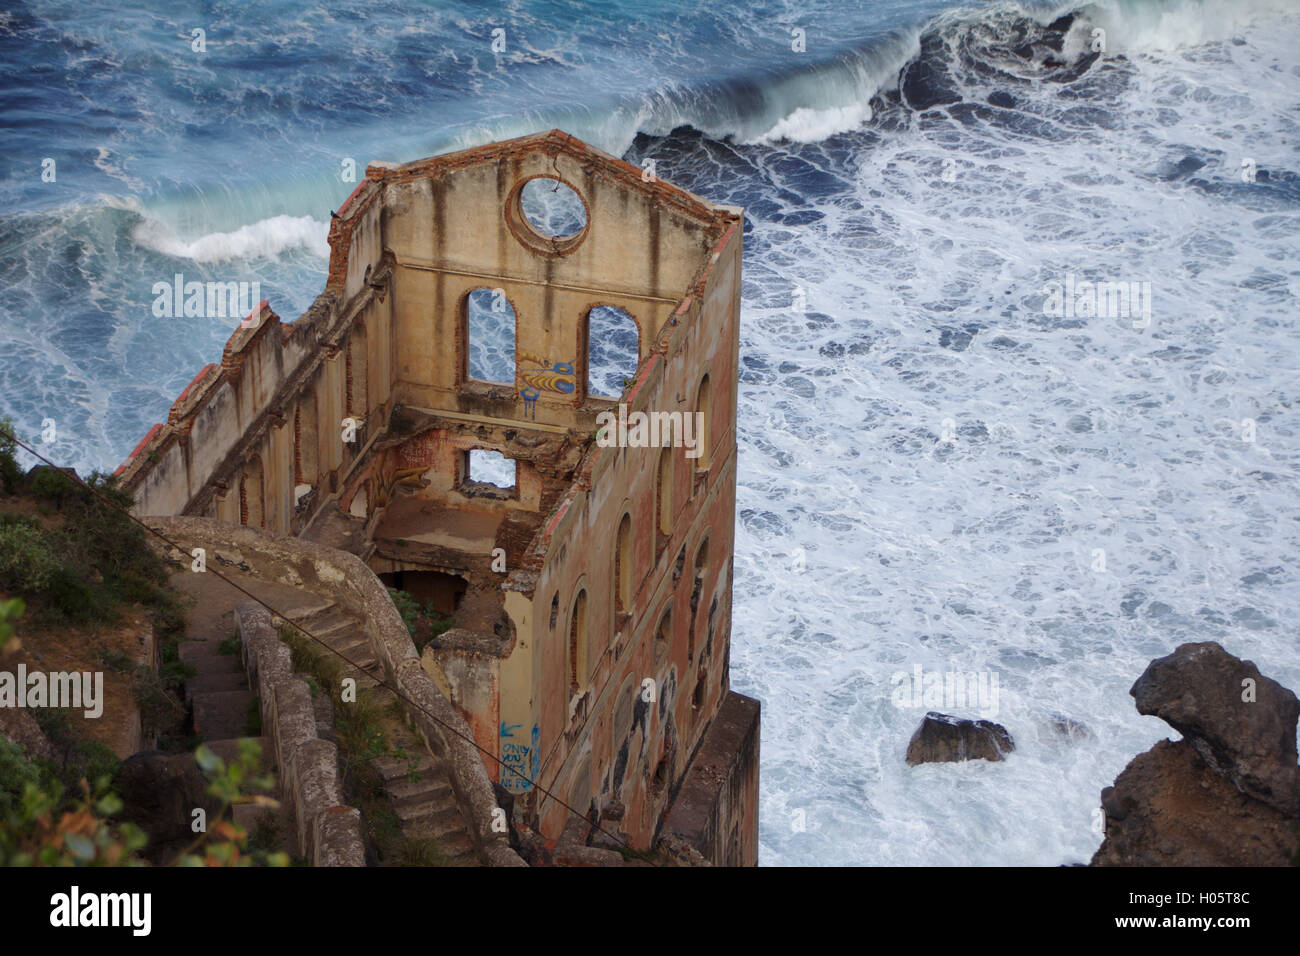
column 79, row 563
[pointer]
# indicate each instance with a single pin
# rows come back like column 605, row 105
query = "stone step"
column 439, row 818
column 329, row 629
column 406, row 792
column 355, row 647
column 208, row 681
column 216, row 664
column 221, row 714
column 304, row 613
column 457, row 848
column 328, row 621
column 364, row 680
column 393, row 768
column 192, row 652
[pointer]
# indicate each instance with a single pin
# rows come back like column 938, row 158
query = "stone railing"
column 348, row 582
column 328, row 831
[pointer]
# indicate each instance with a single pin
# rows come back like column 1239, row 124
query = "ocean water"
column 939, row 468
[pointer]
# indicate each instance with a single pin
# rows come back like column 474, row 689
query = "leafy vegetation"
column 45, row 822
column 421, row 620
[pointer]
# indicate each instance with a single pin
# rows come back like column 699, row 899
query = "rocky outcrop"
column 1228, row 793
column 944, row 739
column 1240, row 722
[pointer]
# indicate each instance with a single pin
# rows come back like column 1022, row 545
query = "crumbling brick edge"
column 345, row 579
column 328, row 830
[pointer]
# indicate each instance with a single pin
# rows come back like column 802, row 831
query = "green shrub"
column 27, row 562
column 408, row 607
column 161, row 713
column 16, row 771
column 77, row 599
column 10, row 474
column 51, row 484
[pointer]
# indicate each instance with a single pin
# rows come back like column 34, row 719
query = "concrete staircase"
column 418, row 788
column 218, row 693
column 422, row 798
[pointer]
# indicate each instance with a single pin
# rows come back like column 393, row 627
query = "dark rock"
column 1168, row 808
column 1227, row 794
column 160, row 793
column 944, row 739
column 1184, row 167
column 1205, row 694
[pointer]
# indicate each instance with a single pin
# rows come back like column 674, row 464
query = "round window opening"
column 552, row 209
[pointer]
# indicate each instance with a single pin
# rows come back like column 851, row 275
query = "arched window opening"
column 703, row 421
column 490, row 334
column 623, row 567
column 612, row 356
column 578, row 644
column 664, row 635
column 664, row 493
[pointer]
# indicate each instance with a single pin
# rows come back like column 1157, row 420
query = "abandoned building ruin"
column 591, row 595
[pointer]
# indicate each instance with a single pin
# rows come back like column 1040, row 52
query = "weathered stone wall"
column 328, row 831
column 249, row 438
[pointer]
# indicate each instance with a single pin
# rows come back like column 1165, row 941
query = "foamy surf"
column 265, row 239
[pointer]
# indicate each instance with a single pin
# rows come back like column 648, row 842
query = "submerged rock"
column 1228, row 793
column 1068, row 729
column 945, row 739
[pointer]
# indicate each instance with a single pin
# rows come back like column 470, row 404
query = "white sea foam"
column 977, row 554
column 267, row 238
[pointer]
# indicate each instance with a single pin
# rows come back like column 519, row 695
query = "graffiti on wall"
column 385, row 479
column 537, row 375
column 520, row 759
